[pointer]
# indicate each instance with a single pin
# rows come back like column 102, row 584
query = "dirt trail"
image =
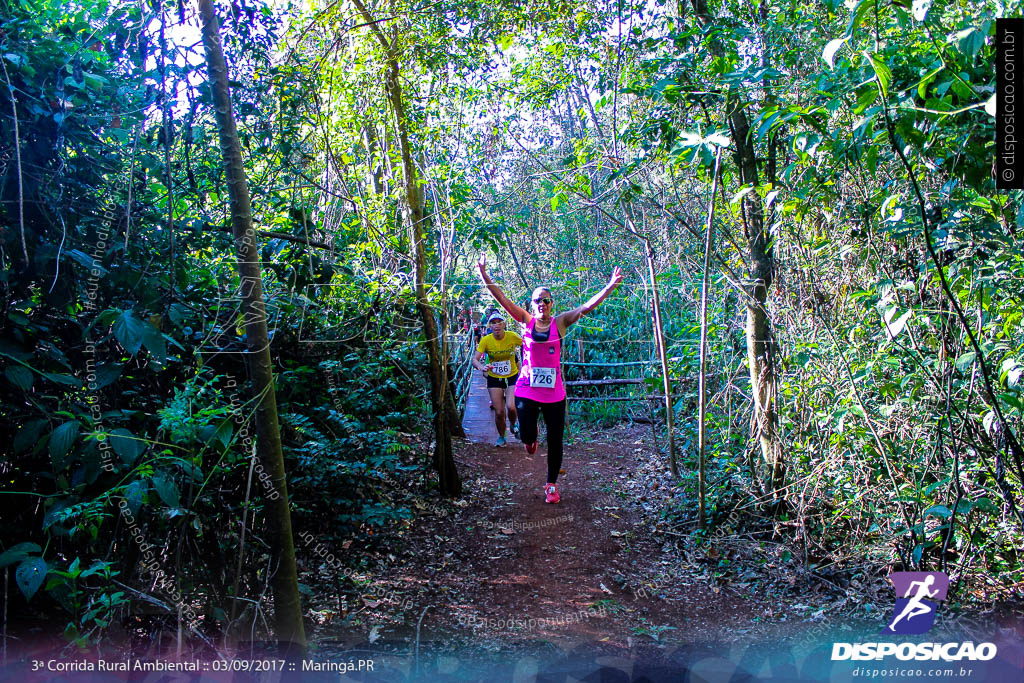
column 500, row 574
column 579, row 565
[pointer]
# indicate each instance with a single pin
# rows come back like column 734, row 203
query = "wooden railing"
column 462, row 349
column 607, row 382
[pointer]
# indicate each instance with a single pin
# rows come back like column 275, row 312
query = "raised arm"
column 569, row 317
column 517, row 312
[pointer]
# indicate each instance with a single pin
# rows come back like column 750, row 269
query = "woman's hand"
column 615, row 279
column 481, row 264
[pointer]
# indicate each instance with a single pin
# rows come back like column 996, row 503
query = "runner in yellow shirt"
column 501, row 371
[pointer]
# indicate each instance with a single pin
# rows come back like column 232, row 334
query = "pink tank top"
column 541, row 376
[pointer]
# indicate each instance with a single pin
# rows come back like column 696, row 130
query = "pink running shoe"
column 552, row 493
column 531, row 448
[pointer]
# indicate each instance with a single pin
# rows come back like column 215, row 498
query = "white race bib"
column 501, row 368
column 543, row 378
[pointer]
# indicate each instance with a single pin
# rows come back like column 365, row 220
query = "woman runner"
column 539, row 388
column 501, row 372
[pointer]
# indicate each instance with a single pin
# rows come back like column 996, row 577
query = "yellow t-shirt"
column 501, row 353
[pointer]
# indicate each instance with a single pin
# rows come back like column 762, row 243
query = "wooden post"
column 701, row 379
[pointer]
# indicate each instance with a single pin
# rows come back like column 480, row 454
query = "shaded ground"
column 500, row 574
column 498, row 585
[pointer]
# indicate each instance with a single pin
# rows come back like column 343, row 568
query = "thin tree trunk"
column 702, row 377
column 515, row 260
column 444, row 460
column 760, row 342
column 659, row 338
column 289, row 629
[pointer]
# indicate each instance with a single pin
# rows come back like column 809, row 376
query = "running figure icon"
column 915, row 607
column 917, row 598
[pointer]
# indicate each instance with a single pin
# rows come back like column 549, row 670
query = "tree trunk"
column 760, row 343
column 515, row 260
column 702, row 392
column 288, row 625
column 444, row 460
column 659, row 340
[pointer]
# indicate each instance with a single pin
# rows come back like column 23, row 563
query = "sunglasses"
column 543, row 300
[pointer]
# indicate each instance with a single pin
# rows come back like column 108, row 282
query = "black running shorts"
column 501, row 382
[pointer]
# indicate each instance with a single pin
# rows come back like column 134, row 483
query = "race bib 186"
column 542, row 377
column 501, row 368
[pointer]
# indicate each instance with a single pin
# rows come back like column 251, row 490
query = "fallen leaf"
column 605, row 589
column 617, row 534
column 374, row 635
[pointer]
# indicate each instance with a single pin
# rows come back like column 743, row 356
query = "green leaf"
column 166, row 489
column 964, row 362
column 87, row 261
column 133, row 495
column 106, row 374
column 18, row 553
column 29, row 575
column 28, row 435
column 862, row 8
column 61, row 440
column 938, row 511
column 127, row 446
column 1013, row 400
column 883, row 75
column 154, row 342
column 19, row 376
column 66, row 380
column 918, row 552
column 130, row 331
column 970, row 41
column 985, row 505
column 865, row 100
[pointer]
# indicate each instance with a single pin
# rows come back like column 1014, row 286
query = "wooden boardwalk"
column 478, row 420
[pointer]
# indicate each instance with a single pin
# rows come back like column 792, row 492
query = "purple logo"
column 917, row 597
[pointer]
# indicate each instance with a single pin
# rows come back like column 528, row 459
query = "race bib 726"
column 543, row 378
